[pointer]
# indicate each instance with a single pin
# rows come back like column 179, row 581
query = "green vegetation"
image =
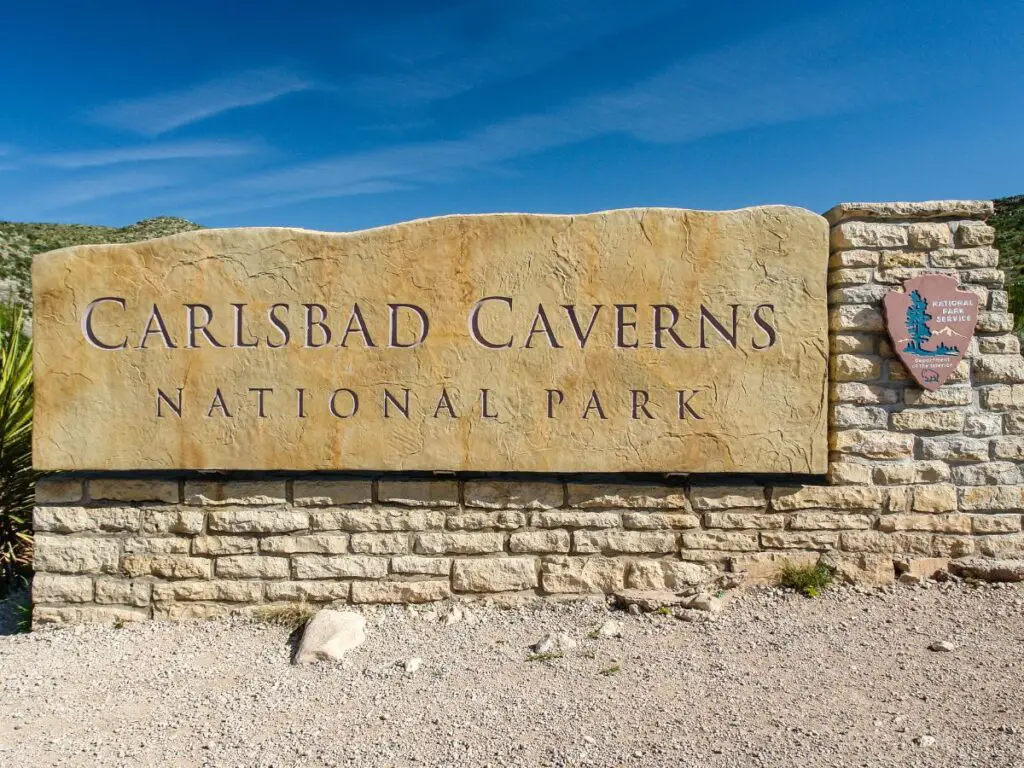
column 20, row 242
column 17, row 480
column 543, row 656
column 809, row 580
column 612, row 670
column 1009, row 224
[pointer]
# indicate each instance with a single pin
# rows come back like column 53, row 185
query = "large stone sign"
column 638, row 340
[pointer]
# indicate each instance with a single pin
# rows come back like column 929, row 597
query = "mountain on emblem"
column 930, row 308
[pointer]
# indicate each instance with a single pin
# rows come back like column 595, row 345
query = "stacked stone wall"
column 912, row 475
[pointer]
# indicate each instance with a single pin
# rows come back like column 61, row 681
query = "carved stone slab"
column 647, row 340
column 931, row 323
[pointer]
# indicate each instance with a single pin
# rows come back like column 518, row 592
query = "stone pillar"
column 944, row 466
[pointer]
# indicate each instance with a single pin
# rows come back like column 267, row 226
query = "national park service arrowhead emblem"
column 931, row 324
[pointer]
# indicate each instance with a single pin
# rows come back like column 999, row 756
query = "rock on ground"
column 329, row 635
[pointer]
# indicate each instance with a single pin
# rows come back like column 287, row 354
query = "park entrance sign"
column 648, row 340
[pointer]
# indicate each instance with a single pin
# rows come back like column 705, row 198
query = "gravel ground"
column 846, row 679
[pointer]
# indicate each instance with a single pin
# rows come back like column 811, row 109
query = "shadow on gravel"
column 16, row 613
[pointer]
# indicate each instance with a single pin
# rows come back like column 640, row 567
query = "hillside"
column 19, row 242
column 1009, row 224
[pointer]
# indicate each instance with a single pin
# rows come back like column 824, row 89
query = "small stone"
column 942, row 646
column 454, row 616
column 412, row 665
column 924, row 741
column 555, row 642
column 704, row 602
column 329, row 635
column 611, row 628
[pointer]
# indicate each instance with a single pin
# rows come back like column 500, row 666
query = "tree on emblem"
column 917, row 324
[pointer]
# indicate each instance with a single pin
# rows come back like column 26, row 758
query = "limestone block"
column 820, row 540
column 910, row 472
column 873, row 444
column 828, row 521
column 225, row 545
column 416, row 565
column 999, row 345
column 855, row 368
column 983, row 424
column 845, row 276
column 741, row 520
column 857, row 294
column 727, row 541
column 900, row 275
column 849, row 473
column 1013, row 423
column 339, row 567
column 989, row 473
column 513, row 495
column 400, row 591
column 503, row 520
column 863, row 394
column 376, row 519
column 308, row 492
column 59, row 490
column 928, row 421
column 666, row 574
column 992, row 278
column 102, row 614
column 890, row 259
column 999, row 369
column 379, row 543
column 259, row 520
column 624, row 542
column 934, row 523
column 167, row 566
column 827, row 497
column 992, row 498
column 220, row 591
column 134, row 490
column 135, row 592
column 929, row 209
column 728, row 497
column 605, row 496
column 999, row 301
column 852, row 343
column 252, row 567
column 855, row 317
column 767, row 567
column 249, row 492
column 419, row 493
column 184, row 521
column 965, row 258
column 989, row 524
column 162, row 545
column 572, row 519
column 927, row 235
column 652, row 521
column 844, row 416
column 85, row 519
column 549, row 541
column 67, row 554
column 308, row 591
column 188, row 611
column 993, row 322
column 866, row 569
column 884, row 543
column 936, row 497
column 51, row 588
column 970, row 234
column 459, row 543
column 329, row 635
column 1010, row 448
column 575, row 575
column 1008, row 547
column 862, row 234
column 495, row 574
column 954, row 448
column 947, row 395
column 854, row 258
column 1002, row 398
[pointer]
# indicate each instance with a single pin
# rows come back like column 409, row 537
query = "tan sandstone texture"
column 636, row 340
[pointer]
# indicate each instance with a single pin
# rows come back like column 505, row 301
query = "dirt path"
column 778, row 680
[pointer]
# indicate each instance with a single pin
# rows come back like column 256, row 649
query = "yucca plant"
column 17, row 480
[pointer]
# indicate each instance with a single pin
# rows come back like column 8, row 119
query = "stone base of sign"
column 913, row 475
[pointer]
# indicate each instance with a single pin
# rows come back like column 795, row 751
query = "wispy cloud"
column 171, row 150
column 782, row 75
column 59, row 196
column 154, row 115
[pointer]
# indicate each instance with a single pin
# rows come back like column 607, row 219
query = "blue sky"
column 344, row 115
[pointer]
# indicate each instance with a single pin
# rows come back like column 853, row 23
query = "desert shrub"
column 809, row 580
column 17, row 480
